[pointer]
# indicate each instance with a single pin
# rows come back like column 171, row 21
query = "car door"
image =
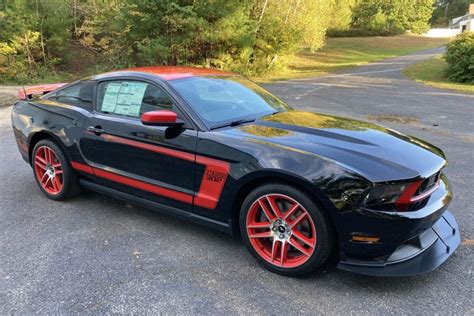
column 156, row 163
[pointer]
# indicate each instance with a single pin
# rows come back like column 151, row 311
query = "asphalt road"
column 95, row 254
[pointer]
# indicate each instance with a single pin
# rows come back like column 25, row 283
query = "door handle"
column 95, row 129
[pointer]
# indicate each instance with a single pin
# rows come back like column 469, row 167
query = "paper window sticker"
column 113, row 87
column 125, row 99
column 122, row 109
column 137, row 91
column 110, row 97
column 124, row 87
column 109, row 103
column 134, row 109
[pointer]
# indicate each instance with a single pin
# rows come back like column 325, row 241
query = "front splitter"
column 449, row 238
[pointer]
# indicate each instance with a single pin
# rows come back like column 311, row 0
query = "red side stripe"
column 212, row 183
column 214, row 177
column 175, row 195
column 157, row 149
column 179, row 196
column 82, row 167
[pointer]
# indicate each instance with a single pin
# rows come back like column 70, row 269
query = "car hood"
column 375, row 152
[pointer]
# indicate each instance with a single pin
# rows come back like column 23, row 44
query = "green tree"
column 242, row 35
column 387, row 17
column 32, row 40
column 340, row 14
column 283, row 26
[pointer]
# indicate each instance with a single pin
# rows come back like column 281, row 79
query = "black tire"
column 70, row 184
column 323, row 229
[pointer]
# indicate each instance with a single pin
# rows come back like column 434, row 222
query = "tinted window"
column 131, row 98
column 221, row 99
column 80, row 95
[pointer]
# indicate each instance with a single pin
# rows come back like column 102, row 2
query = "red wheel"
column 48, row 170
column 52, row 171
column 285, row 230
column 281, row 230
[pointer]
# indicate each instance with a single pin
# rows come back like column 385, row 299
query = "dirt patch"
column 393, row 118
column 8, row 95
column 469, row 139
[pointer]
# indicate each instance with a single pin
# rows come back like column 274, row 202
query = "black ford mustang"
column 214, row 148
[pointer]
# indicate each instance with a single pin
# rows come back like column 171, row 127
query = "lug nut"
column 281, row 236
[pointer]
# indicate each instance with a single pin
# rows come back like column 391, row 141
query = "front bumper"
column 421, row 254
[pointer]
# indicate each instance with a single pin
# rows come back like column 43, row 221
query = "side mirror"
column 161, row 118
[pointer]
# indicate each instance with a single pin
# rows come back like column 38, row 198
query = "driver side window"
column 131, row 98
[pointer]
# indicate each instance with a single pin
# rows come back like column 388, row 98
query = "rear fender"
column 36, row 120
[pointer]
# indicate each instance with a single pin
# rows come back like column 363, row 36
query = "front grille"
column 429, row 183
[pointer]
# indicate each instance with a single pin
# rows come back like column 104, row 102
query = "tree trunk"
column 40, row 18
column 288, row 11
column 272, row 62
column 263, row 11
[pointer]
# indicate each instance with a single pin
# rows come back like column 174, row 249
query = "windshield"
column 219, row 100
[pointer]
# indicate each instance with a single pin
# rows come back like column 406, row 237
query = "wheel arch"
column 41, row 135
column 258, row 178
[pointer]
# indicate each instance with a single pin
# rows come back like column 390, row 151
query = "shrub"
column 460, row 58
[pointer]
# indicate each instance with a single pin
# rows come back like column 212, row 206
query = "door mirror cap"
column 161, row 118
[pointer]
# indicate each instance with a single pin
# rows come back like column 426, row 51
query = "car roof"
column 175, row 72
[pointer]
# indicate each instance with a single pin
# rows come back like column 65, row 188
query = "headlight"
column 384, row 194
column 398, row 196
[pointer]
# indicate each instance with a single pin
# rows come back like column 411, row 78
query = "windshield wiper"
column 233, row 123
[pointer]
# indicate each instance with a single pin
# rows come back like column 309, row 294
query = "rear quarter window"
column 80, row 95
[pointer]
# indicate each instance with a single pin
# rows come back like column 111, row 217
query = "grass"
column 432, row 72
column 343, row 53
